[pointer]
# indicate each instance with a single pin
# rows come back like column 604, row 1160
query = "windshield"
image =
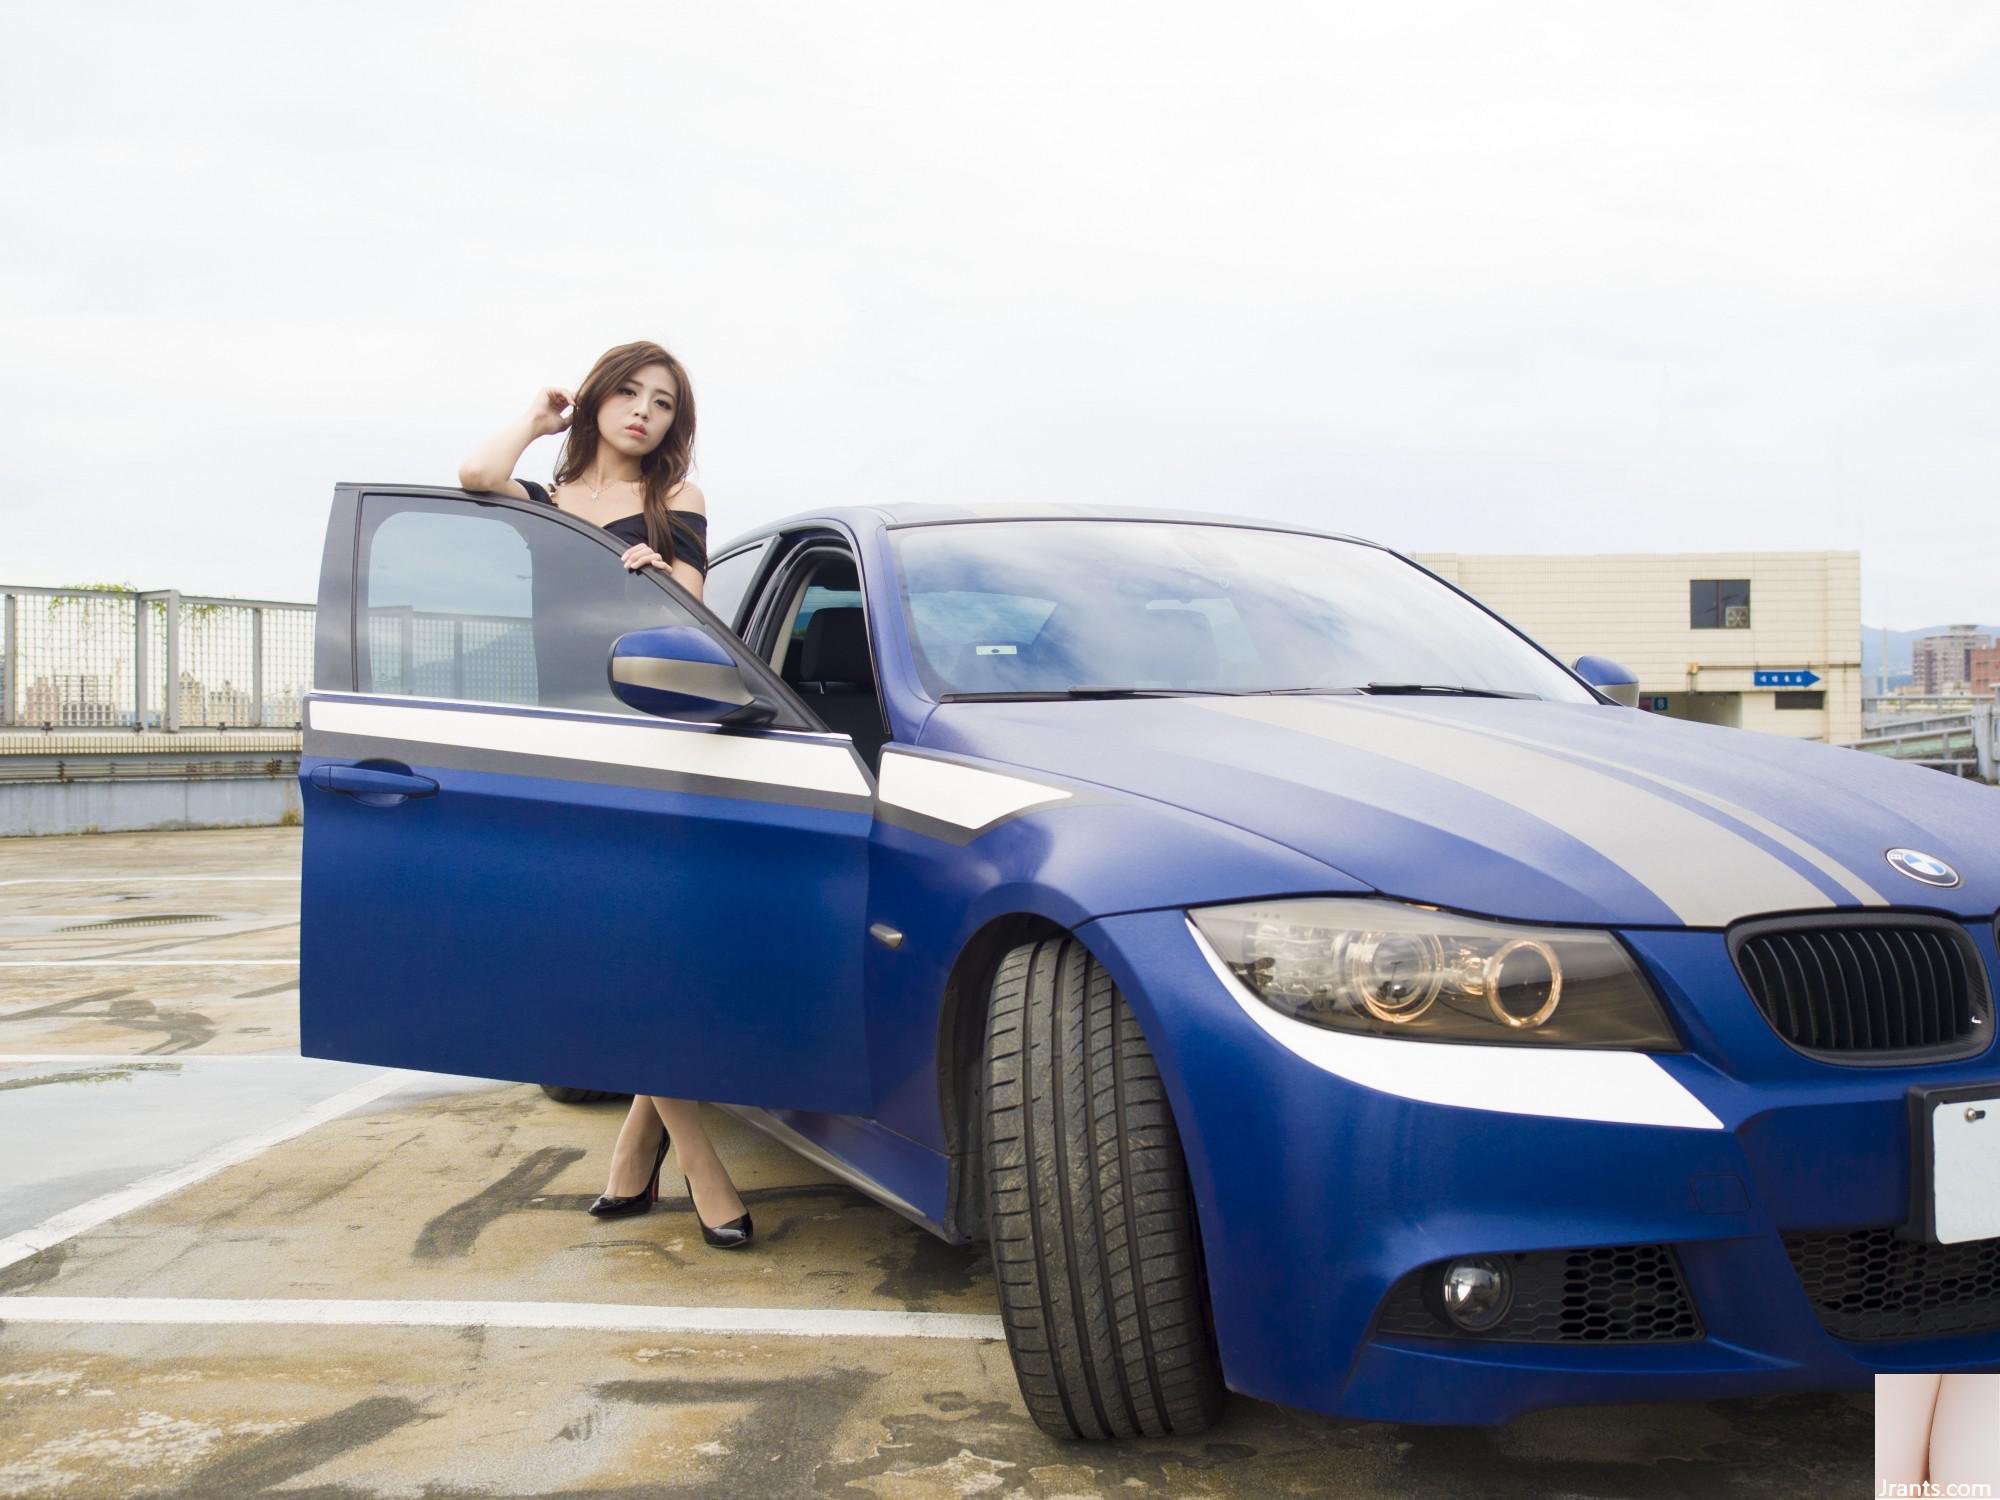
column 1049, row 607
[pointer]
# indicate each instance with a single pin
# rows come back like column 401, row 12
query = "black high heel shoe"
column 609, row 1207
column 731, row 1236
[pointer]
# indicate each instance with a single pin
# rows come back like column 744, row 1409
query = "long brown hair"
column 659, row 471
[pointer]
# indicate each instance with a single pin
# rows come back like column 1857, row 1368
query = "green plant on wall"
column 89, row 607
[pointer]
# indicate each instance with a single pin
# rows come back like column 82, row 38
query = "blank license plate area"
column 1965, row 1168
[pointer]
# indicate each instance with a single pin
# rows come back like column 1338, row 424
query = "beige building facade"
column 1720, row 637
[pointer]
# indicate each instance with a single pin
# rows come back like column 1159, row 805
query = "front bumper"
column 1317, row 1194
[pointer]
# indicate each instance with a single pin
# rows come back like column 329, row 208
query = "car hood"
column 1519, row 808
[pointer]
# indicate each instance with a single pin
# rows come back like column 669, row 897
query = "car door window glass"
column 448, row 611
column 488, row 604
column 729, row 578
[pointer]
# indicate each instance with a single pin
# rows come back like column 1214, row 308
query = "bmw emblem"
column 1920, row 866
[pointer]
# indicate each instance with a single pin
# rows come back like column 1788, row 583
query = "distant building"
column 1943, row 663
column 1982, row 669
column 227, row 705
column 1759, row 640
column 71, row 700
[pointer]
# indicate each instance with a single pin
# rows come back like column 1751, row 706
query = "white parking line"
column 121, row 1059
column 148, row 963
column 801, row 1322
column 129, row 879
column 74, row 1221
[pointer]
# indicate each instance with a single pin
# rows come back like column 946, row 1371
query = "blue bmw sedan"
column 1301, row 981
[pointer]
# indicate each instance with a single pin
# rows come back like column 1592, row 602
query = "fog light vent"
column 1615, row 1294
column 1868, row 1284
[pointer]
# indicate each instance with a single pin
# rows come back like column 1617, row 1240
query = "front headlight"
column 1411, row 971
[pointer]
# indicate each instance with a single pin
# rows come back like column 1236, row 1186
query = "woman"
column 624, row 468
column 1944, row 1430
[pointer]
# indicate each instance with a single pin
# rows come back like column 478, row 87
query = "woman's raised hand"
column 545, row 412
column 639, row 555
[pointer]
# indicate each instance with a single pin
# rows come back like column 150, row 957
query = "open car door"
column 510, row 874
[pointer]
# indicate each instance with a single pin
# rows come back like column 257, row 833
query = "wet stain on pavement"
column 177, row 944
column 116, row 1074
column 38, row 1269
column 270, row 989
column 69, row 1006
column 1809, row 1443
column 455, row 1231
column 652, row 1248
column 777, row 1447
column 522, row 1190
column 922, row 1268
column 1821, row 1447
column 268, row 1463
column 774, row 1229
column 183, row 1030
column 966, row 1446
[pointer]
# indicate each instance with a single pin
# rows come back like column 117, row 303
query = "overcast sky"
column 1498, row 277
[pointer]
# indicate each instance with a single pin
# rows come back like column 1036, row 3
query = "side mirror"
column 677, row 672
column 1617, row 683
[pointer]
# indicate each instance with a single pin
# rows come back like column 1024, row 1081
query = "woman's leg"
column 632, row 1156
column 715, row 1199
column 1965, row 1434
column 1903, row 1405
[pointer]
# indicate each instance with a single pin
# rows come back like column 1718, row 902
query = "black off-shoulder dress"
column 689, row 529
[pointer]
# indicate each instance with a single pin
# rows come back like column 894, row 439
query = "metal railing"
column 1965, row 744
column 108, row 659
column 434, row 654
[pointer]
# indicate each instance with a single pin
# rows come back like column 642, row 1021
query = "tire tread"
column 1092, row 1228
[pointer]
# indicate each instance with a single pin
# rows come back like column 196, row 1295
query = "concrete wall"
column 106, row 806
column 1805, row 612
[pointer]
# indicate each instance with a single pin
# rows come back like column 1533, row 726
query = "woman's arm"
column 1903, row 1407
column 687, row 498
column 491, row 465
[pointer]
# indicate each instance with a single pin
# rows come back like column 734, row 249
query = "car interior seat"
column 837, row 678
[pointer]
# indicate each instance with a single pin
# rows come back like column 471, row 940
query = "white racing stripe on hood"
column 1832, row 868
column 1565, row 1083
column 1706, row 874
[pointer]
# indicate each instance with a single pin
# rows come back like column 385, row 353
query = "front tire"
column 1088, row 1208
column 578, row 1096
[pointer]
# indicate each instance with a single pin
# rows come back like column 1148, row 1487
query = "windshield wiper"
column 1085, row 690
column 1091, row 690
column 1098, row 690
column 1411, row 688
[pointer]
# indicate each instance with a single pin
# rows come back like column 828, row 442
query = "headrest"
column 836, row 648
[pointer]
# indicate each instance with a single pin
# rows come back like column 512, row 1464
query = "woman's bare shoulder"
column 687, row 495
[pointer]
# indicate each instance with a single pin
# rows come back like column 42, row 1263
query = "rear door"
column 509, row 874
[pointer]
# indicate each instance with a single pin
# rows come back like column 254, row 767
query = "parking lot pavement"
column 269, row 1275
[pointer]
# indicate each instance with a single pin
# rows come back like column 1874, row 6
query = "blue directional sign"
column 1797, row 679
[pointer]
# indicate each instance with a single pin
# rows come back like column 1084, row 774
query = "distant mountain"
column 1899, row 649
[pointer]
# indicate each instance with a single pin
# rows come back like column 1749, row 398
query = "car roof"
column 861, row 518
